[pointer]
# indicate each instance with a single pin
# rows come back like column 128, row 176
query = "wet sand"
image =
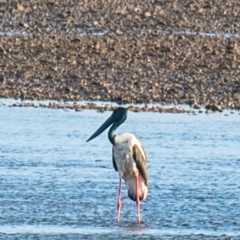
column 127, row 52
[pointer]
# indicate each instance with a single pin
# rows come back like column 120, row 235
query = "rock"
column 120, row 53
column 196, row 106
column 147, row 14
column 20, row 7
column 214, row 107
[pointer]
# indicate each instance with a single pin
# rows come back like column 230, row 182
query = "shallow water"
column 94, row 31
column 55, row 185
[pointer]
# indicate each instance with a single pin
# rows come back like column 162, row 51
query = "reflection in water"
column 133, row 228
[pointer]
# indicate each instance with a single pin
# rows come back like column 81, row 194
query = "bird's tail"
column 142, row 188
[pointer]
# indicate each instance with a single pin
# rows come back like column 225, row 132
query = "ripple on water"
column 54, row 184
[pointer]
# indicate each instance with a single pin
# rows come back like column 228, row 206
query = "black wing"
column 113, row 161
column 141, row 162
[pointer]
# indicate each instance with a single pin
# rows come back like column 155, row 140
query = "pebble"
column 136, row 53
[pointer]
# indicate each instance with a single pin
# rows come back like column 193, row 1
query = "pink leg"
column 119, row 204
column 138, row 202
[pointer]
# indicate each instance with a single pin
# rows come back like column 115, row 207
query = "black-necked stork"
column 129, row 159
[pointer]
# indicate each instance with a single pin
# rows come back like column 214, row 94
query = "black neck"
column 111, row 132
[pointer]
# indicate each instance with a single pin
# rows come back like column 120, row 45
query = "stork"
column 128, row 158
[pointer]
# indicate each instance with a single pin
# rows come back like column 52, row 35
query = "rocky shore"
column 181, row 52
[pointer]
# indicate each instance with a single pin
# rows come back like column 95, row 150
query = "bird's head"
column 118, row 116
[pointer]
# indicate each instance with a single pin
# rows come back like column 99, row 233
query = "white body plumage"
column 130, row 161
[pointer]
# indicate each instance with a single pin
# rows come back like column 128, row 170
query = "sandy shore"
column 122, row 51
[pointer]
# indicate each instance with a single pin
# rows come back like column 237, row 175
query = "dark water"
column 54, row 185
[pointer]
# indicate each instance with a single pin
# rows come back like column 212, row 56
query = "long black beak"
column 104, row 126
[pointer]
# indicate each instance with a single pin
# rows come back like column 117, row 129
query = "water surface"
column 55, row 185
column 97, row 31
